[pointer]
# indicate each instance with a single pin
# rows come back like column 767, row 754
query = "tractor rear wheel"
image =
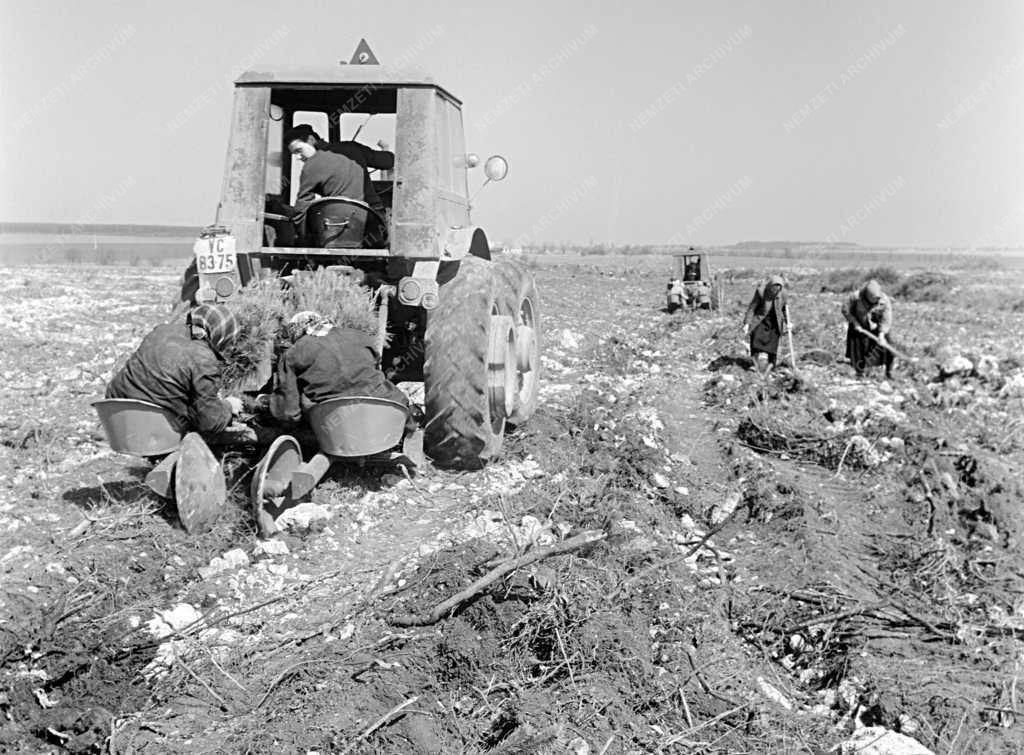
column 518, row 299
column 468, row 369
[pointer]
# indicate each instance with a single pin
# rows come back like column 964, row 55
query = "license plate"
column 215, row 254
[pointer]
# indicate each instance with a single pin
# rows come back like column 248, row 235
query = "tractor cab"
column 357, row 116
column 406, row 132
column 691, row 285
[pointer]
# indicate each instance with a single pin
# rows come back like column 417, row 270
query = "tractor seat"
column 336, row 222
column 138, row 428
column 357, row 425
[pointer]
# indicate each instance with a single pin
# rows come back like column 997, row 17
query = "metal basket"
column 357, row 425
column 138, row 428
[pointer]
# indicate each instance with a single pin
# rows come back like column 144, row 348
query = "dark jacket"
column 367, row 157
column 341, row 363
column 329, row 175
column 876, row 317
column 761, row 307
column 181, row 374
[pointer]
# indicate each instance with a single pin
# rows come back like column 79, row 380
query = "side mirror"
column 496, row 168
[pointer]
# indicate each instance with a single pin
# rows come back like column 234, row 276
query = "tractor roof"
column 347, row 76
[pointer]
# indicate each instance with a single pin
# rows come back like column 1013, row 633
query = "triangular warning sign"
column 363, row 56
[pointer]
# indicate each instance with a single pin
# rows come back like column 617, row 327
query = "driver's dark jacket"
column 367, row 157
column 315, row 368
column 174, row 371
column 329, row 175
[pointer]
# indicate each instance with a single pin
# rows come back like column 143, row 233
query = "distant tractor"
column 692, row 285
column 461, row 320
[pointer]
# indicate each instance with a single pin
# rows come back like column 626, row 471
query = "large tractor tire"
column 518, row 299
column 469, row 393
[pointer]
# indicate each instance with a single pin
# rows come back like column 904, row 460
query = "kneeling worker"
column 178, row 368
column 325, row 361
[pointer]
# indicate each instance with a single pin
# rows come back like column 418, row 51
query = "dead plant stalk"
column 383, row 720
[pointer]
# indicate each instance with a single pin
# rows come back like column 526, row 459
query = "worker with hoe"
column 868, row 313
column 178, row 367
column 325, row 361
column 766, row 319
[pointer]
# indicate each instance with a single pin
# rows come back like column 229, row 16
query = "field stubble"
column 752, row 592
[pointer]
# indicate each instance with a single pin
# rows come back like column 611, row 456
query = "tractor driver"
column 367, row 158
column 324, row 173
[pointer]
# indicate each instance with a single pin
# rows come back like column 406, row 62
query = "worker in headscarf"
column 869, row 314
column 675, row 294
column 325, row 361
column 178, row 368
column 766, row 318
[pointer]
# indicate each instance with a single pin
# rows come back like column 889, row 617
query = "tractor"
column 691, row 285
column 461, row 318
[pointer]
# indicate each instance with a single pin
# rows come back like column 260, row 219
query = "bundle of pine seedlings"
column 339, row 298
column 264, row 307
column 260, row 307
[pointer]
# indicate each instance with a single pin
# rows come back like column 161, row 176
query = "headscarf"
column 871, row 292
column 309, row 323
column 774, row 280
column 215, row 324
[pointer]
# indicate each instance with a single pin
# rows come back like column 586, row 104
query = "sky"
column 705, row 122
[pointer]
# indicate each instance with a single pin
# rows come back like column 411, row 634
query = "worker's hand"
column 256, row 404
column 383, row 145
column 235, row 403
column 881, row 337
column 746, row 328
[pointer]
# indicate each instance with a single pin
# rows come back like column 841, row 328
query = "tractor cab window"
column 275, row 161
column 375, row 131
column 319, row 123
column 451, row 156
column 358, row 123
column 691, row 268
column 369, row 129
